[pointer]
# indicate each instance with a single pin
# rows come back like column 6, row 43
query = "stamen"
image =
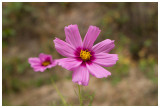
column 46, row 63
column 85, row 55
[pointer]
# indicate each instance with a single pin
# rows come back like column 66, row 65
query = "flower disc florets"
column 85, row 55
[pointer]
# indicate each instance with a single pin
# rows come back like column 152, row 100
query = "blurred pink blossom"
column 42, row 62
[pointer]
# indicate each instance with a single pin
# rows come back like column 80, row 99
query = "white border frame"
column 75, row 1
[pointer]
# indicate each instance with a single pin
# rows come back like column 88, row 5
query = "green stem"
column 80, row 95
column 59, row 93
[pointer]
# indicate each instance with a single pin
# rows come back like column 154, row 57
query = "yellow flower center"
column 46, row 63
column 85, row 55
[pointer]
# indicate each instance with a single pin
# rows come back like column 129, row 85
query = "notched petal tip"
column 98, row 71
column 80, row 83
column 56, row 39
column 64, row 48
column 95, row 29
column 33, row 60
column 29, row 59
column 71, row 25
column 116, row 58
column 109, row 74
column 39, row 70
column 80, row 76
column 73, row 36
column 42, row 55
column 92, row 26
column 90, row 37
column 104, row 46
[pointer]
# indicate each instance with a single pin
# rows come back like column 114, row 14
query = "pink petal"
column 73, row 36
column 97, row 70
column 90, row 37
column 36, row 64
column 45, row 57
column 69, row 63
column 64, row 48
column 34, row 61
column 106, row 60
column 54, row 63
column 80, row 75
column 39, row 68
column 104, row 46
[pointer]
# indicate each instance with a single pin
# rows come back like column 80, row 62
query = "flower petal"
column 39, row 68
column 73, row 36
column 69, row 63
column 81, row 75
column 90, row 37
column 34, row 61
column 36, row 64
column 45, row 57
column 97, row 70
column 106, row 60
column 53, row 63
column 64, row 48
column 104, row 46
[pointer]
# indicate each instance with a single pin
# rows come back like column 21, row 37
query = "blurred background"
column 29, row 29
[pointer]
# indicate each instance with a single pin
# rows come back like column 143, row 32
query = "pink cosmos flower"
column 82, row 57
column 42, row 62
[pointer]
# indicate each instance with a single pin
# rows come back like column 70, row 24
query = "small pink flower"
column 82, row 57
column 42, row 62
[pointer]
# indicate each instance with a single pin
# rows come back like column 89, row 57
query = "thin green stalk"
column 59, row 93
column 80, row 95
column 91, row 99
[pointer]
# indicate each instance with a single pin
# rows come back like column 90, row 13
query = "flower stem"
column 59, row 93
column 80, row 95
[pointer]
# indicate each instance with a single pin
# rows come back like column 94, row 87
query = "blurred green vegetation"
column 147, row 66
column 133, row 43
column 10, row 71
column 13, row 13
column 88, row 96
column 12, row 77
